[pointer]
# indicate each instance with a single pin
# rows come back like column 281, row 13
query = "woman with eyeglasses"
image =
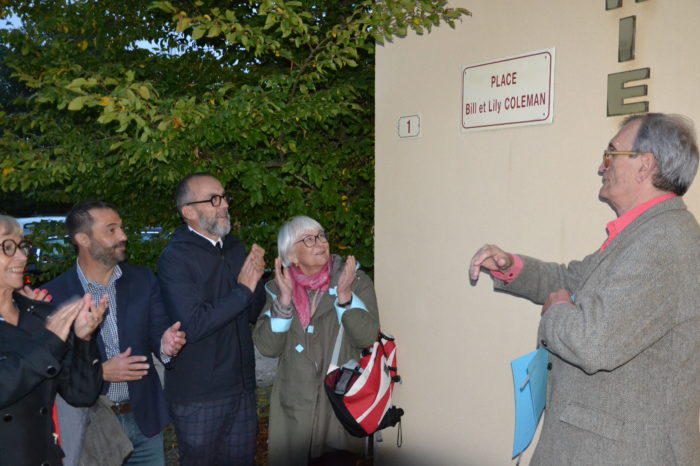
column 42, row 351
column 312, row 293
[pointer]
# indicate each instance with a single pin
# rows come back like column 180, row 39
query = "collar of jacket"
column 26, row 305
column 183, row 234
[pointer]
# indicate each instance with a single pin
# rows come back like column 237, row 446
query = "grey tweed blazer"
column 624, row 386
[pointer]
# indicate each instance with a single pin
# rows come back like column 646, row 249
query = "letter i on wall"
column 617, row 92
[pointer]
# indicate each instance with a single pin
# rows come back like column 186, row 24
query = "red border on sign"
column 549, row 110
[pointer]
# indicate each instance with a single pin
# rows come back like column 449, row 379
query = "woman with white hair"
column 312, row 294
column 42, row 352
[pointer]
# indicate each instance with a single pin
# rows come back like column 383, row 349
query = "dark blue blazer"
column 141, row 320
column 201, row 290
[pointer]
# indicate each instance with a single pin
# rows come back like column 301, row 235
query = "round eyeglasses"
column 609, row 154
column 310, row 240
column 10, row 246
column 215, row 200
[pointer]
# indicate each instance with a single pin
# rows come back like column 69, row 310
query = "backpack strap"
column 336, row 350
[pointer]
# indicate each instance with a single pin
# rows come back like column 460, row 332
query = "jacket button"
column 43, row 410
column 51, row 371
column 549, row 366
column 7, row 417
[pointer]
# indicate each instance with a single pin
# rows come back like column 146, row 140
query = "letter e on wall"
column 618, row 92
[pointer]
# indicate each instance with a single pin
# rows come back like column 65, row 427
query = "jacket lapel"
column 122, row 300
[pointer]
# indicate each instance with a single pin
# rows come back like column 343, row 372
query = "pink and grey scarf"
column 318, row 282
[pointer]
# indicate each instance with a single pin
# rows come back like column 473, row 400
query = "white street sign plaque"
column 513, row 91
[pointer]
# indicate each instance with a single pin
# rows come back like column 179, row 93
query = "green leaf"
column 214, row 31
column 77, row 83
column 270, row 21
column 144, row 93
column 77, row 103
column 183, row 23
column 198, row 32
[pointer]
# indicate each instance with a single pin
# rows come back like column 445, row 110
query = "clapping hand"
column 253, row 268
column 61, row 320
column 125, row 368
column 346, row 278
column 173, row 340
column 284, row 282
column 37, row 294
column 90, row 317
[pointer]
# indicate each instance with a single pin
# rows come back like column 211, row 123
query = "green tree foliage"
column 276, row 98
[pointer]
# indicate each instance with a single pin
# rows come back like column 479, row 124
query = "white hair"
column 290, row 231
column 9, row 226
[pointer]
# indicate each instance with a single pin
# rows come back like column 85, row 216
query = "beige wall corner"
column 532, row 189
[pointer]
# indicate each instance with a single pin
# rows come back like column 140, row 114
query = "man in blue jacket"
column 135, row 327
column 212, row 287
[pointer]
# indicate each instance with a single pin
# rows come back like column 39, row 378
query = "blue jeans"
column 147, row 451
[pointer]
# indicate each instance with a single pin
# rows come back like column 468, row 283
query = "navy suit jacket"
column 141, row 320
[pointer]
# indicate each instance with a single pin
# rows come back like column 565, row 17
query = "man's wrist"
column 512, row 272
column 163, row 351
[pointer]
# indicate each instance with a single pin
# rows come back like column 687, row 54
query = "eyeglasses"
column 215, row 200
column 310, row 240
column 609, row 154
column 10, row 246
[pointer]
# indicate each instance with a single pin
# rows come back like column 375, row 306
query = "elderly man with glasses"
column 212, row 287
column 623, row 324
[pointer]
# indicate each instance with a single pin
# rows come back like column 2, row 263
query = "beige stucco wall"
column 529, row 189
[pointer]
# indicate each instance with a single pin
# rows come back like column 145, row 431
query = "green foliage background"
column 276, row 98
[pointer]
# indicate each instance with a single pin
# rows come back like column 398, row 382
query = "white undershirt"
column 213, row 243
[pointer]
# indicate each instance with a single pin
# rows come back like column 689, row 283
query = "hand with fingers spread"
column 346, row 279
column 61, row 320
column 253, row 268
column 125, row 368
column 173, row 340
column 90, row 317
column 284, row 282
column 489, row 257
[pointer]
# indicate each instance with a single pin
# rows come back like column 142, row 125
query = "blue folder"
column 530, row 385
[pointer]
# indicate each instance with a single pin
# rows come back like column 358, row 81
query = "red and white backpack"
column 360, row 392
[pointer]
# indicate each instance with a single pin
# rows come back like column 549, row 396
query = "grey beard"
column 213, row 227
column 220, row 230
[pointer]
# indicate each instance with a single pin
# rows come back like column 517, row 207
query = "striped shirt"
column 118, row 392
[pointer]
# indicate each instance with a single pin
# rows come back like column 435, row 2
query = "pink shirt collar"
column 616, row 226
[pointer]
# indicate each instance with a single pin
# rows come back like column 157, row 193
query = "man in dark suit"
column 214, row 289
column 135, row 327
